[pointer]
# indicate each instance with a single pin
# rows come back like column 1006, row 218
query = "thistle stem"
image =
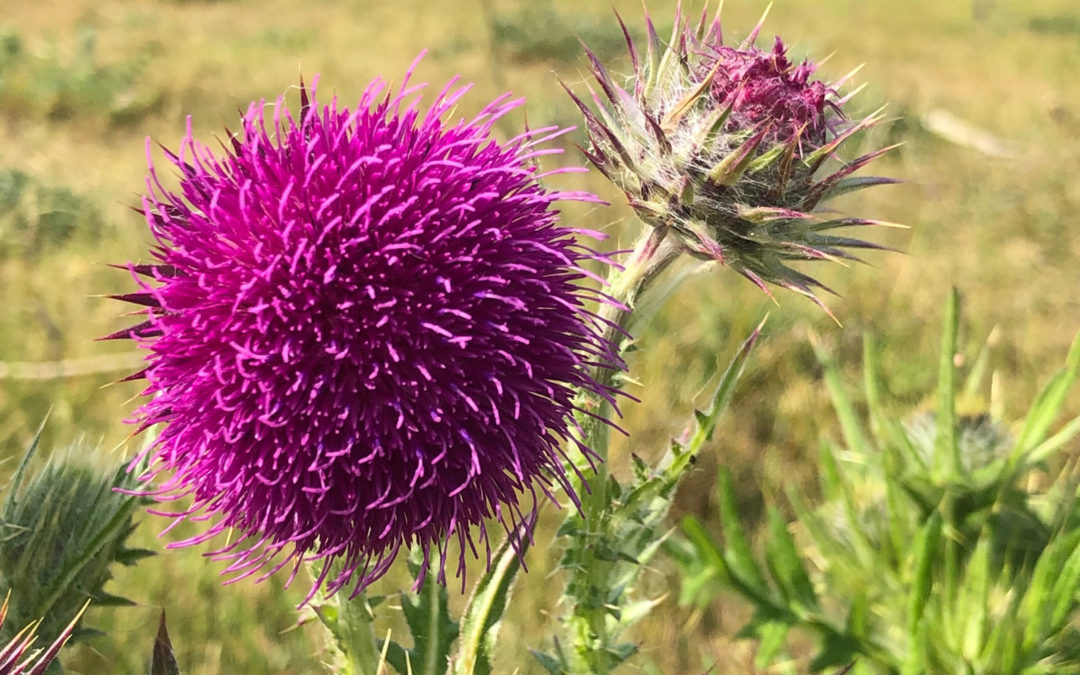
column 652, row 254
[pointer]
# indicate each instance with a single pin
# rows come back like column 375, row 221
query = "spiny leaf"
column 706, row 421
column 482, row 616
column 728, row 170
column 549, row 663
column 1048, row 404
column 164, row 660
column 433, row 630
column 924, row 552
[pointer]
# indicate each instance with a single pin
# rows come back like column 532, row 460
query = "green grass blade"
column 707, row 550
column 1037, row 601
column 1065, row 591
column 1056, row 442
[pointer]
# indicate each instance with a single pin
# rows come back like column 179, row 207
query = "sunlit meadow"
column 984, row 96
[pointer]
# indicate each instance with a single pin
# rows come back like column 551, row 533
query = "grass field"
column 985, row 96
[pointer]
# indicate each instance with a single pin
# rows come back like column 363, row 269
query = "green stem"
column 588, row 625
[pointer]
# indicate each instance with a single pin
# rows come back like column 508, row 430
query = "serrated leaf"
column 102, row 599
column 397, row 656
column 433, row 630
column 163, row 660
column 482, row 616
column 131, row 556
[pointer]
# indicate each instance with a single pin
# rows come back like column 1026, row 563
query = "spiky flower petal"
column 366, row 330
column 724, row 145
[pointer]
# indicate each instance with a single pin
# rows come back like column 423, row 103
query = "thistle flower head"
column 366, row 329
column 724, row 146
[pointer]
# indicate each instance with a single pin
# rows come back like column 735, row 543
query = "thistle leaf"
column 163, row 661
column 1048, row 405
column 706, row 421
column 482, row 616
column 924, row 552
column 428, row 616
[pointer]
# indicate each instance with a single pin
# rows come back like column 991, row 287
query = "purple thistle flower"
column 726, row 147
column 366, row 329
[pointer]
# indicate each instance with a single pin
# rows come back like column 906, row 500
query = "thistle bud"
column 725, row 146
column 64, row 528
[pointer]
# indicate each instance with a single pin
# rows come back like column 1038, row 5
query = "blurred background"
column 984, row 95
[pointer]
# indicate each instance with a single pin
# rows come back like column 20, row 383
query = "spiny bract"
column 366, row 329
column 722, row 144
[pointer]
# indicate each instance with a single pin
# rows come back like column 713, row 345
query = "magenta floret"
column 765, row 87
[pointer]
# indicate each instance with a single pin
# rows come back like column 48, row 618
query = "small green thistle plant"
column 945, row 541
column 63, row 527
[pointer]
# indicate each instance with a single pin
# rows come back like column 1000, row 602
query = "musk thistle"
column 365, row 329
column 724, row 146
